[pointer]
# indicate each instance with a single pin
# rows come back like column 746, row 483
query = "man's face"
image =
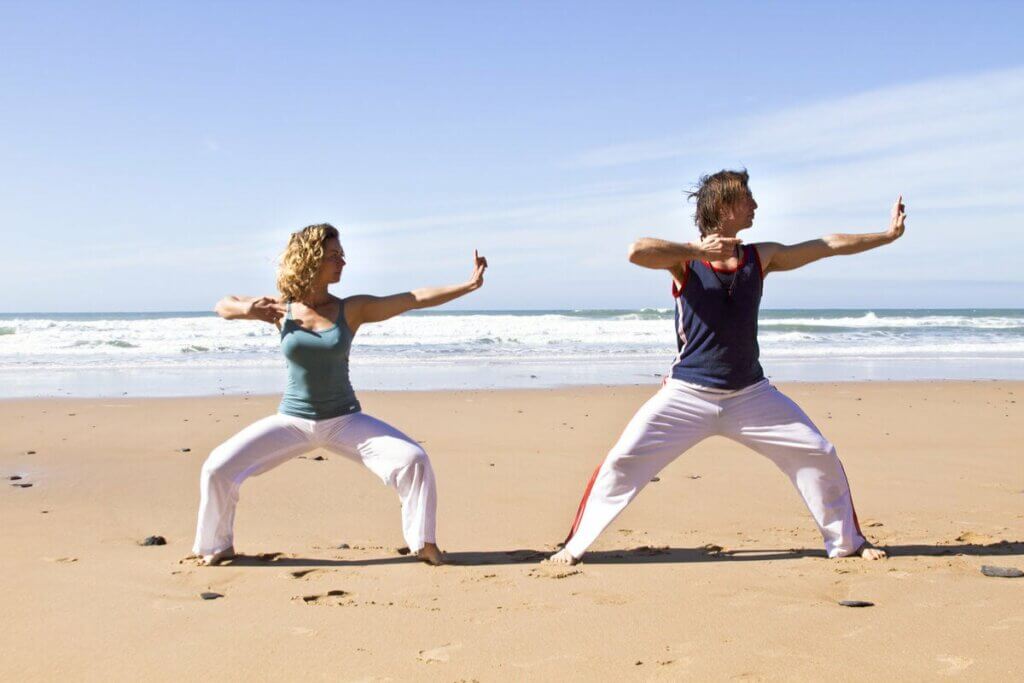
column 742, row 211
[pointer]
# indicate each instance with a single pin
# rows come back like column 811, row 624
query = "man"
column 717, row 386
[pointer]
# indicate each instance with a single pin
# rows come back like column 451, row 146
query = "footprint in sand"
column 439, row 654
column 478, row 578
column 954, row 665
column 1007, row 624
column 331, row 598
column 303, row 573
column 608, row 599
column 269, row 557
column 554, row 572
column 975, row 538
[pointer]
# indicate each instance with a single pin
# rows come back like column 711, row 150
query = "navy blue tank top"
column 716, row 324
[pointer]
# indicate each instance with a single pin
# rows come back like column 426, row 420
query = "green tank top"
column 318, row 383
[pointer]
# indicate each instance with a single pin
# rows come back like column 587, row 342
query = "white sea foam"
column 184, row 341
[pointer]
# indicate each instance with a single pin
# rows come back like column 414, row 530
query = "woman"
column 319, row 408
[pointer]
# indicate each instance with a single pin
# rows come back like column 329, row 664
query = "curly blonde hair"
column 301, row 260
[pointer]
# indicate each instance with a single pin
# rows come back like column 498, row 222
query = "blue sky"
column 155, row 156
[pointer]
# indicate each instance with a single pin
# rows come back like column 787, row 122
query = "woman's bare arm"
column 265, row 308
column 365, row 308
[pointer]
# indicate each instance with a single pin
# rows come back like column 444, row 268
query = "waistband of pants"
column 711, row 392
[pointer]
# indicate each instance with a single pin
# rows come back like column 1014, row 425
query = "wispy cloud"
column 983, row 108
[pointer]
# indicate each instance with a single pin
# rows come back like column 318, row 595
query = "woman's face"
column 333, row 263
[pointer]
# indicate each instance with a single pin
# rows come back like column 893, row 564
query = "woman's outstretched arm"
column 263, row 308
column 364, row 308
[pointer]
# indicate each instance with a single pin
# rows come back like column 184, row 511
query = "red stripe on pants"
column 583, row 504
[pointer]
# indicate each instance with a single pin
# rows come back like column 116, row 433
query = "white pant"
column 391, row 455
column 760, row 416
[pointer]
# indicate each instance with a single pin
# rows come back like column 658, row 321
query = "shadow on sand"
column 639, row 555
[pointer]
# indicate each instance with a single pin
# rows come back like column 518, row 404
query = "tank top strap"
column 288, row 310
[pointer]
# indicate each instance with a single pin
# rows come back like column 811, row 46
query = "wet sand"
column 715, row 572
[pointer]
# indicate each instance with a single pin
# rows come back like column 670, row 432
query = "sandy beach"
column 715, row 572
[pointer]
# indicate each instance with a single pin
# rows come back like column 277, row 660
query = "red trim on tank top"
column 676, row 291
column 743, row 260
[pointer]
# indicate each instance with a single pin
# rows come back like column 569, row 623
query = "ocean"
column 189, row 353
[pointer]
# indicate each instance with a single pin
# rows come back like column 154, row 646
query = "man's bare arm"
column 651, row 252
column 779, row 257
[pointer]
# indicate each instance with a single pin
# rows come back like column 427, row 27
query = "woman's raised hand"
column 479, row 266
column 266, row 308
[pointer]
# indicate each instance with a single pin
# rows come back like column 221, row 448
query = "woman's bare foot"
column 870, row 552
column 216, row 558
column 563, row 556
column 431, row 554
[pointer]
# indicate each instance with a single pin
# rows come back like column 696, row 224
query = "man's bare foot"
column 431, row 554
column 870, row 552
column 563, row 556
column 216, row 558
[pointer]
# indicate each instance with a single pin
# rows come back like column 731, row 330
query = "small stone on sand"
column 154, row 540
column 21, row 485
column 343, row 546
column 184, row 450
column 30, row 452
column 656, row 479
column 856, row 603
column 404, row 550
column 1001, row 572
column 209, row 595
column 14, row 477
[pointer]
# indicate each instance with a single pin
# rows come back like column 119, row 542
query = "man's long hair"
column 713, row 194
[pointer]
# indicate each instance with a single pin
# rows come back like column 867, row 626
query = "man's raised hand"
column 897, row 218
column 717, row 248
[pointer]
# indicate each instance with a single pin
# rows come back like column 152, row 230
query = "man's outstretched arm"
column 651, row 252
column 775, row 256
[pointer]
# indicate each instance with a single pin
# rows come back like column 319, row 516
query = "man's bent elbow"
column 634, row 255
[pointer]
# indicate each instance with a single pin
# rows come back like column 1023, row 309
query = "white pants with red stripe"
column 759, row 416
column 391, row 455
